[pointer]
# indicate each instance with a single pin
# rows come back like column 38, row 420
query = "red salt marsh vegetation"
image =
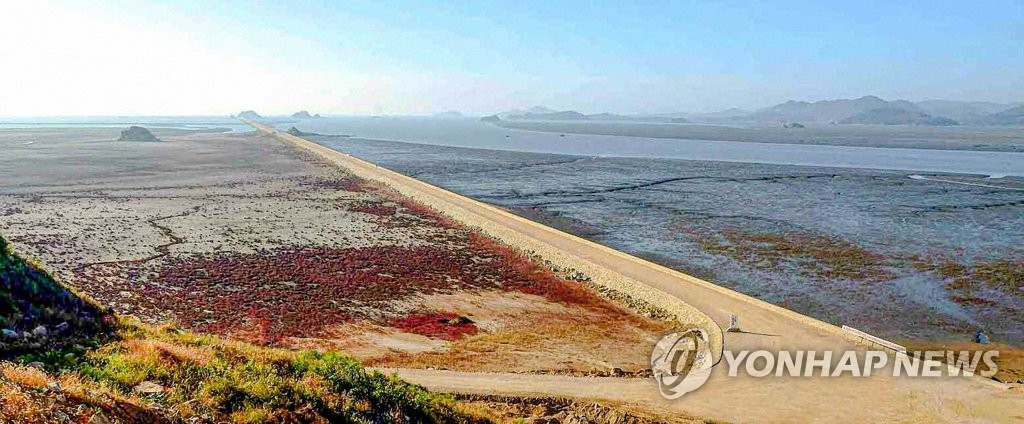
column 442, row 325
column 374, row 208
column 347, row 183
column 299, row 293
column 305, row 254
column 267, row 296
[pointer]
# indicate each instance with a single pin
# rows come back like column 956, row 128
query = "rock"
column 37, row 365
column 9, row 334
column 459, row 320
column 99, row 418
column 300, row 133
column 54, row 386
column 40, row 332
column 136, row 133
column 148, row 387
column 62, row 327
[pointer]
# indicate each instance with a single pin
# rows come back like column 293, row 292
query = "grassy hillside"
column 96, row 364
column 167, row 375
column 36, row 312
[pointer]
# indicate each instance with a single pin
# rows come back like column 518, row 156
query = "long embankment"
column 698, row 303
column 692, row 301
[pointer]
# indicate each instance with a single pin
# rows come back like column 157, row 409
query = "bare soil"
column 244, row 236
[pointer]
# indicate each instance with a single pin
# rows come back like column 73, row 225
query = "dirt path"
column 740, row 399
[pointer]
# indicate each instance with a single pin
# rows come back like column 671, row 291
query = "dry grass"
column 509, row 410
column 31, row 396
column 209, row 379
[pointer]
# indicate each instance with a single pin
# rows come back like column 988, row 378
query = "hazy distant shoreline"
column 997, row 139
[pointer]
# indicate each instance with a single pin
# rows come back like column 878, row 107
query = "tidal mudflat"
column 906, row 258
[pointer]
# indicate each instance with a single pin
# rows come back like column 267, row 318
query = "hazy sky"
column 218, row 57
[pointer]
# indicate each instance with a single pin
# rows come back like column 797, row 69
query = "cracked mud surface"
column 780, row 233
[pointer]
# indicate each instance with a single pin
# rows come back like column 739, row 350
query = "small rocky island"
column 137, row 133
column 302, row 114
column 492, row 119
column 249, row 114
column 299, row 133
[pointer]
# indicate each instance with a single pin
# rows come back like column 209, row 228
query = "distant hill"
column 609, row 117
column 727, row 113
column 1012, row 116
column 249, row 114
column 540, row 109
column 820, row 111
column 890, row 115
column 536, row 109
column 492, row 119
column 451, row 114
column 862, row 110
column 304, row 115
column 568, row 115
column 964, row 112
column 614, row 117
column 136, row 133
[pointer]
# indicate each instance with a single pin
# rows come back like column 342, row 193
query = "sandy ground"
column 766, row 326
column 244, row 235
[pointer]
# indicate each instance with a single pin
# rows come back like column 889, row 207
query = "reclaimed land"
column 689, row 300
column 272, row 245
column 255, row 243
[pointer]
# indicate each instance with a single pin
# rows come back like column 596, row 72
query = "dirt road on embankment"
column 695, row 302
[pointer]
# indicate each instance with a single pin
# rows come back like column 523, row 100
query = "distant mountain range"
column 864, row 110
column 541, row 113
column 1012, row 116
column 875, row 110
column 568, row 115
column 965, row 112
column 892, row 115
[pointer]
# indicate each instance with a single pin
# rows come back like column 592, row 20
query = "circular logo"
column 681, row 362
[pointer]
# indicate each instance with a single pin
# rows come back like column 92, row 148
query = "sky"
column 396, row 57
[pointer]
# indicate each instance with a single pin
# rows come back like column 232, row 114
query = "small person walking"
column 980, row 337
